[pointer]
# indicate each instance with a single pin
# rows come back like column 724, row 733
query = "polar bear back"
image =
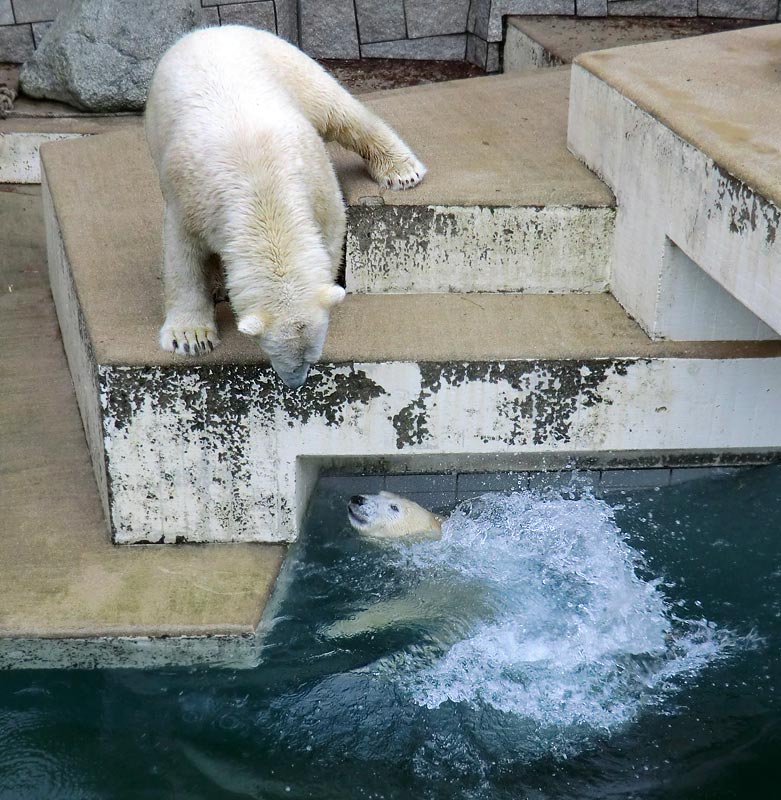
column 220, row 83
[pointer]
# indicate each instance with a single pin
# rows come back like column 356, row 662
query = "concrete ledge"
column 219, row 450
column 696, row 168
column 504, row 207
column 23, row 133
column 533, row 249
column 533, row 42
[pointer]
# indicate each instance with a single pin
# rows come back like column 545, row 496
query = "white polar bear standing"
column 236, row 121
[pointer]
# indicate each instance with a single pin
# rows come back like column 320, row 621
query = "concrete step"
column 68, row 597
column 217, row 449
column 695, row 163
column 504, row 207
column 512, row 211
column 533, row 42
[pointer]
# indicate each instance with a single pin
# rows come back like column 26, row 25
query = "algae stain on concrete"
column 537, row 402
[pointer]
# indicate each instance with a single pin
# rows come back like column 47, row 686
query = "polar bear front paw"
column 402, row 173
column 189, row 340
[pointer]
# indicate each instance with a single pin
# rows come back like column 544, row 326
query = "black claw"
column 186, row 347
column 211, row 346
column 176, row 344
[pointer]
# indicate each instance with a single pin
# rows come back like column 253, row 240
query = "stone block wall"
column 422, row 29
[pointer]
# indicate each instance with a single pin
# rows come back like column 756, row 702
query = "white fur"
column 235, row 121
column 390, row 516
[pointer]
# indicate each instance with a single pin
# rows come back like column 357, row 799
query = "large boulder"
column 99, row 55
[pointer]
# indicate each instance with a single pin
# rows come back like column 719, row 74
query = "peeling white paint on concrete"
column 668, row 191
column 238, row 479
column 20, row 160
column 532, row 249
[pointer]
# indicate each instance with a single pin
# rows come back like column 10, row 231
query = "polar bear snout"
column 293, row 379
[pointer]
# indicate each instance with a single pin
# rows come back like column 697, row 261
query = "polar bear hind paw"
column 190, row 340
column 400, row 174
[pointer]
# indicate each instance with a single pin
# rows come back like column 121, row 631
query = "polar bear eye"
column 394, row 507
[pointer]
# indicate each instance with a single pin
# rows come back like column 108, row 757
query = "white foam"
column 567, row 631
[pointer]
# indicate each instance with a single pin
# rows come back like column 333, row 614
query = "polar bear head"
column 293, row 338
column 389, row 516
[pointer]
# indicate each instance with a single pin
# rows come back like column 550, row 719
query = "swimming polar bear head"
column 294, row 340
column 388, row 516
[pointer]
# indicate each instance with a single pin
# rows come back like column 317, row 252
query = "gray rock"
column 287, row 19
column 741, row 9
column 37, row 10
column 380, row 20
column 99, row 55
column 592, row 8
column 256, row 15
column 16, row 43
column 39, row 31
column 328, row 30
column 6, row 13
column 436, row 17
column 652, row 8
column 438, row 48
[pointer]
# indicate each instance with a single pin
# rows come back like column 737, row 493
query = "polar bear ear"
column 252, row 325
column 331, row 296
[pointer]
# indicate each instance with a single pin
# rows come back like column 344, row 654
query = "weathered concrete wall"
column 472, row 249
column 668, row 191
column 210, row 453
column 19, row 155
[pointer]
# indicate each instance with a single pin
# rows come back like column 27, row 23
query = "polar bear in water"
column 390, row 516
column 236, row 121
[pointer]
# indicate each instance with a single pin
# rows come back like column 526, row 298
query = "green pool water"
column 552, row 645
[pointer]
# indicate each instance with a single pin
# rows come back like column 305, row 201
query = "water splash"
column 551, row 616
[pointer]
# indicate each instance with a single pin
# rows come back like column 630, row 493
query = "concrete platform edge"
column 76, row 343
column 688, row 209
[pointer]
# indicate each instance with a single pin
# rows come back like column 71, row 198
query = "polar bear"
column 236, row 120
column 390, row 516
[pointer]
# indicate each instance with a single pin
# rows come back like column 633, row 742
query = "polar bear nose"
column 358, row 500
column 294, row 379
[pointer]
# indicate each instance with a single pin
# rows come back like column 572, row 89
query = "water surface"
column 549, row 646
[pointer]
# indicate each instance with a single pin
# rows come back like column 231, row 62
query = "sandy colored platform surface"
column 494, row 141
column 59, row 574
column 110, row 212
column 568, row 37
column 721, row 93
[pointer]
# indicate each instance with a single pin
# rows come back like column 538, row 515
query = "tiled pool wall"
column 423, row 29
column 441, row 492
